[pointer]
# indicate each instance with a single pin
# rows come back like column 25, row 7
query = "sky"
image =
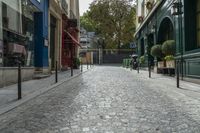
column 84, row 5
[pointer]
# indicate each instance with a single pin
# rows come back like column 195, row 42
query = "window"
column 198, row 23
column 18, row 33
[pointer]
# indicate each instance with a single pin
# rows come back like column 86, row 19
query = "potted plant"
column 149, row 5
column 170, row 63
column 142, row 60
column 76, row 63
column 169, row 49
column 156, row 51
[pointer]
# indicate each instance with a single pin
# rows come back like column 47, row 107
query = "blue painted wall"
column 41, row 33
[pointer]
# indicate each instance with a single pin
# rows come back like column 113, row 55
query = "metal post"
column 90, row 60
column 149, row 69
column 72, row 71
column 56, row 73
column 81, row 65
column 138, row 69
column 177, row 74
column 19, row 82
column 87, row 62
column 181, row 43
column 72, row 60
column 99, row 56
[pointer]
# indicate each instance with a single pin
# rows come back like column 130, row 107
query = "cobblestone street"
column 109, row 99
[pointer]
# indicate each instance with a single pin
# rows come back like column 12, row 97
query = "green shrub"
column 156, row 51
column 169, row 47
column 76, row 63
column 169, row 57
column 142, row 60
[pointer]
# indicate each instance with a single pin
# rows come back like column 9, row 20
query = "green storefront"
column 160, row 25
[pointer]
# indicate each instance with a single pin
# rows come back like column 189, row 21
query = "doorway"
column 52, row 41
column 166, row 30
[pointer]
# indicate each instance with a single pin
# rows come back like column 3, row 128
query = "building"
column 86, row 38
column 88, row 46
column 70, row 34
column 23, row 33
column 55, row 32
column 156, row 24
column 37, row 33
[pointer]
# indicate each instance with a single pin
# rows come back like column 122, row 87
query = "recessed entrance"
column 166, row 31
column 52, row 41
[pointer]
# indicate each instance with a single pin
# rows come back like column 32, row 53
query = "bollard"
column 19, row 82
column 81, row 66
column 149, row 70
column 56, row 73
column 177, row 74
column 138, row 68
column 87, row 65
column 72, row 71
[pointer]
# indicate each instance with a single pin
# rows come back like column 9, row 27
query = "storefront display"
column 18, row 34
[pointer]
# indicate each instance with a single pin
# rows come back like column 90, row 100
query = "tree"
column 114, row 20
column 87, row 23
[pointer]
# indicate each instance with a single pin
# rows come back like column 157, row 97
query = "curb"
column 29, row 97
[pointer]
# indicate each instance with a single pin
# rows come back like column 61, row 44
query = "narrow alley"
column 110, row 99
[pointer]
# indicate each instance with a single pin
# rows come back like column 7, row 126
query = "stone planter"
column 161, row 64
column 170, row 64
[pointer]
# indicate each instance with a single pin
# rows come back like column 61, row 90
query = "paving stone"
column 110, row 100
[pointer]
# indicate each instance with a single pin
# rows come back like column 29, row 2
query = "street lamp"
column 177, row 11
column 177, row 8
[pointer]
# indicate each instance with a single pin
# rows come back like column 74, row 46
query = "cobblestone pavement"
column 8, row 94
column 110, row 100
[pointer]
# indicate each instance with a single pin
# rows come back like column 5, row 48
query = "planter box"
column 170, row 64
column 161, row 64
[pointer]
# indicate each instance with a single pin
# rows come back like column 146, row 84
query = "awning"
column 74, row 40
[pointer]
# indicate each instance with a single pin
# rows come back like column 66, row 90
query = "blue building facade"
column 41, row 33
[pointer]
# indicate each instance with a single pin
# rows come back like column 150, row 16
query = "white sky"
column 84, row 5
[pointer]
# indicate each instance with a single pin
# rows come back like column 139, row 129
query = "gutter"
column 148, row 16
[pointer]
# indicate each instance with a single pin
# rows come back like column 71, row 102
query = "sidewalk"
column 167, row 81
column 8, row 94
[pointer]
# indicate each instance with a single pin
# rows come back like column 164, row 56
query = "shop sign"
column 65, row 6
column 132, row 45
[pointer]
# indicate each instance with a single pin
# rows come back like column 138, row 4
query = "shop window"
column 191, row 24
column 198, row 23
column 18, row 33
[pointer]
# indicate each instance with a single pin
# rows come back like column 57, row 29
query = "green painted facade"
column 162, row 26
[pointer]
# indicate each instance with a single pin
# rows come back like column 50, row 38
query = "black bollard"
column 177, row 74
column 87, row 65
column 138, row 68
column 81, row 66
column 149, row 70
column 56, row 73
column 19, row 82
column 72, row 73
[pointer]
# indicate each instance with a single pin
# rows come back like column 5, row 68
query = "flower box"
column 170, row 64
column 161, row 64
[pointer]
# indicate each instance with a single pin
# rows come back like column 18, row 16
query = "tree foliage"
column 113, row 20
column 87, row 23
